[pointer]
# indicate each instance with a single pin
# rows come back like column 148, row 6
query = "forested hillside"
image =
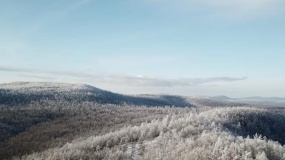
column 63, row 121
column 27, row 92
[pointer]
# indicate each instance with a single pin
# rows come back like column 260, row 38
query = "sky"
column 184, row 47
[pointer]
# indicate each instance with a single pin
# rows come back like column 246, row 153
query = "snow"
column 46, row 86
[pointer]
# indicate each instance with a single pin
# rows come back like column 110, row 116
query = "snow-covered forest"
column 62, row 121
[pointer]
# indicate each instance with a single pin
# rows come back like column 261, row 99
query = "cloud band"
column 119, row 79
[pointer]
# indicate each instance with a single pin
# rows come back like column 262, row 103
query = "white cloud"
column 230, row 86
column 118, row 79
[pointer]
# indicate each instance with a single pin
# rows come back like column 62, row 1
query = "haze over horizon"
column 184, row 47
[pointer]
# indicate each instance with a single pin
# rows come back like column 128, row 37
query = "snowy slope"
column 26, row 92
column 220, row 133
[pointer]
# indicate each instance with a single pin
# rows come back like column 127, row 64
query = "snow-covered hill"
column 26, row 92
column 76, row 121
column 220, row 133
column 46, row 86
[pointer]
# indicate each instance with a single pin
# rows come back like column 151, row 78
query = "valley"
column 75, row 121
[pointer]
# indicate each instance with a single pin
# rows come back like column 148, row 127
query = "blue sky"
column 185, row 47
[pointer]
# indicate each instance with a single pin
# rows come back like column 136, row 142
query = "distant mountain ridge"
column 221, row 98
column 18, row 93
column 26, row 92
column 47, row 86
column 276, row 101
